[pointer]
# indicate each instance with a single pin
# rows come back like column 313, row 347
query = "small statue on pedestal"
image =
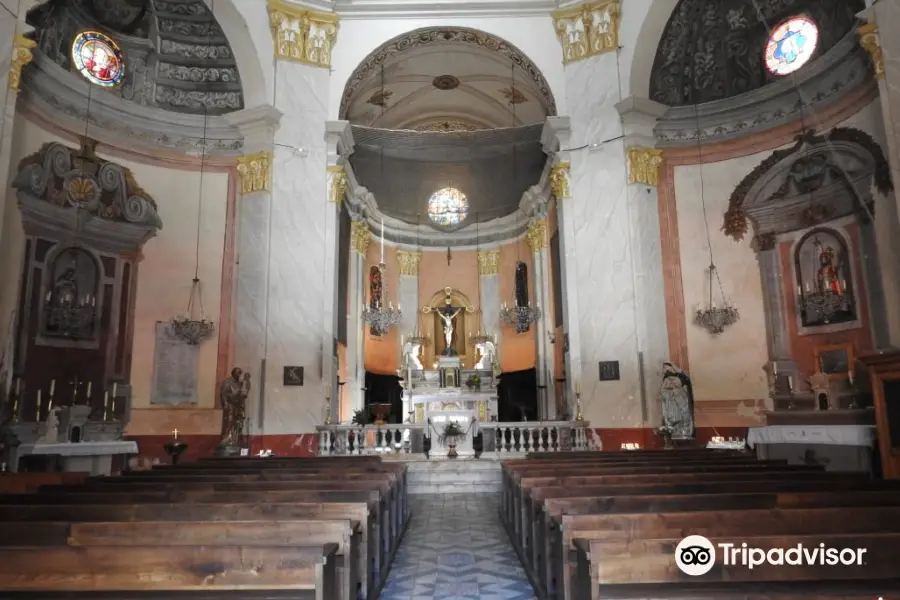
column 233, row 396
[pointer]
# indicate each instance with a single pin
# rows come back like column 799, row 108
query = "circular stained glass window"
column 448, row 207
column 98, row 58
column 791, row 45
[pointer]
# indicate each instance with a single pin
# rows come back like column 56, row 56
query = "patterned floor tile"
column 456, row 549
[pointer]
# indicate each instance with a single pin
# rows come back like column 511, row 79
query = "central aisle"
column 455, row 549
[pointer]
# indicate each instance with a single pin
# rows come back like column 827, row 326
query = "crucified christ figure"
column 447, row 315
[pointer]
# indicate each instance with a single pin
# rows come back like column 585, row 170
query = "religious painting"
column 375, row 296
column 70, row 300
column 791, row 45
column 824, row 279
column 98, row 58
column 835, row 360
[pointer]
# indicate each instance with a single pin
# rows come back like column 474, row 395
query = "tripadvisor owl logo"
column 695, row 555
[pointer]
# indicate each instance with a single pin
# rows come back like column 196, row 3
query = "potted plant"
column 451, row 434
column 473, row 382
column 360, row 417
column 665, row 432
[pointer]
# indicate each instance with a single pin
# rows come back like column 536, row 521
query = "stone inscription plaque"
column 174, row 369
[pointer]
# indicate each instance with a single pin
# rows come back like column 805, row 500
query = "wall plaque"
column 175, row 366
column 609, row 370
column 293, row 376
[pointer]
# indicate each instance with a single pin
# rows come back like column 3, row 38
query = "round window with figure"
column 448, row 207
column 791, row 45
column 98, row 58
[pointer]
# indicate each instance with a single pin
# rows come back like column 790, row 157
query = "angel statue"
column 676, row 398
column 486, row 353
column 411, row 356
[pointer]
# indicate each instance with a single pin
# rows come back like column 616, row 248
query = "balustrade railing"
column 500, row 439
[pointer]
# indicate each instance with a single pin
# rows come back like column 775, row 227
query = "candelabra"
column 823, row 305
column 715, row 319
column 192, row 331
column 72, row 317
column 520, row 317
column 379, row 318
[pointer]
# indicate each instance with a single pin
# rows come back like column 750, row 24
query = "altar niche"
column 449, row 314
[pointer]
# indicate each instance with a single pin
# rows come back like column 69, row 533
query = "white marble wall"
column 409, row 301
column 603, row 260
column 355, row 340
column 490, row 304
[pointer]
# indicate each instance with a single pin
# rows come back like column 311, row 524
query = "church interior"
column 516, row 252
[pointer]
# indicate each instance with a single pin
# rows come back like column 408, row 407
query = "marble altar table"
column 92, row 457
column 837, row 447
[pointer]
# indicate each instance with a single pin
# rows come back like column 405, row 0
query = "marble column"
column 596, row 220
column 15, row 53
column 537, row 241
column 356, row 365
column 253, row 213
column 489, row 300
column 339, row 141
column 639, row 116
column 301, row 293
column 408, row 267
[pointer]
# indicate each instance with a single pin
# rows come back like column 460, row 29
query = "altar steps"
column 454, row 476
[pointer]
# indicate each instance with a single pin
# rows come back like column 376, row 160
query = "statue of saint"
column 827, row 275
column 411, row 356
column 486, row 352
column 447, row 314
column 233, row 395
column 676, row 398
column 65, row 288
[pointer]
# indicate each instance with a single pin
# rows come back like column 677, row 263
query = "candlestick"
column 850, row 376
column 115, row 387
column 105, row 405
column 38, row 411
column 52, row 386
column 175, row 434
column 327, row 391
column 89, row 390
column 775, row 369
column 577, row 387
column 790, row 384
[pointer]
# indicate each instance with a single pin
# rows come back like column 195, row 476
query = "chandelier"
column 520, row 317
column 379, row 318
column 715, row 319
column 192, row 328
column 823, row 305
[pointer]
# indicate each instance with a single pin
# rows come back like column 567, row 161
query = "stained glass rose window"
column 98, row 58
column 791, row 45
column 448, row 207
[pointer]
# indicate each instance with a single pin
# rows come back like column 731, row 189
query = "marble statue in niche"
column 676, row 398
column 824, row 281
column 233, row 396
column 70, row 301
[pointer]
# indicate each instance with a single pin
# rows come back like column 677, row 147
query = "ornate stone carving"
column 359, row 237
column 409, row 262
column 764, row 242
column 643, row 165
column 588, row 29
column 871, row 43
column 302, row 35
column 437, row 36
column 337, row 184
column 488, row 262
column 714, row 50
column 255, row 171
column 446, row 126
column 21, row 56
column 80, row 180
column 537, row 235
column 559, row 181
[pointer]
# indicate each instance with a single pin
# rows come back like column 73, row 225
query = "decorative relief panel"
column 255, row 171
column 643, row 165
column 588, row 29
column 409, row 262
column 559, row 181
column 537, row 235
column 21, row 56
column 305, row 36
column 359, row 237
column 870, row 41
column 488, row 262
column 337, row 184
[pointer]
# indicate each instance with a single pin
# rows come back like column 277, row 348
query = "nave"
column 455, row 549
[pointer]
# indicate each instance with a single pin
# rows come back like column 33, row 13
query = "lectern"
column 884, row 376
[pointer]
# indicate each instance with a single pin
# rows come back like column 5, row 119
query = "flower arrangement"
column 473, row 382
column 664, row 431
column 450, row 435
column 360, row 417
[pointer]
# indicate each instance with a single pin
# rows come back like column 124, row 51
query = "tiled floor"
column 456, row 549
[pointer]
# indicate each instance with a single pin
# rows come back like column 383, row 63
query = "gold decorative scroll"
column 870, row 40
column 488, row 262
column 409, row 262
column 255, row 171
column 643, row 165
column 21, row 56
column 302, row 35
column 588, row 29
column 537, row 235
column 337, row 184
column 359, row 237
column 420, row 413
column 482, row 410
column 559, row 180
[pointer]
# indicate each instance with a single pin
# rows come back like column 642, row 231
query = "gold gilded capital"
column 537, row 235
column 256, row 172
column 643, row 165
column 409, row 262
column 588, row 29
column 337, row 184
column 488, row 262
column 21, row 56
column 870, row 40
column 559, row 181
column 302, row 35
column 359, row 237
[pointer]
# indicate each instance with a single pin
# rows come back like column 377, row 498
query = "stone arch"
column 444, row 34
column 249, row 45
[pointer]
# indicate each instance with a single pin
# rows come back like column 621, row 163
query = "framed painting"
column 835, row 360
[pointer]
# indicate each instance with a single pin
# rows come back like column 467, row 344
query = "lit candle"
column 175, row 434
column 89, row 389
column 382, row 241
column 52, row 386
